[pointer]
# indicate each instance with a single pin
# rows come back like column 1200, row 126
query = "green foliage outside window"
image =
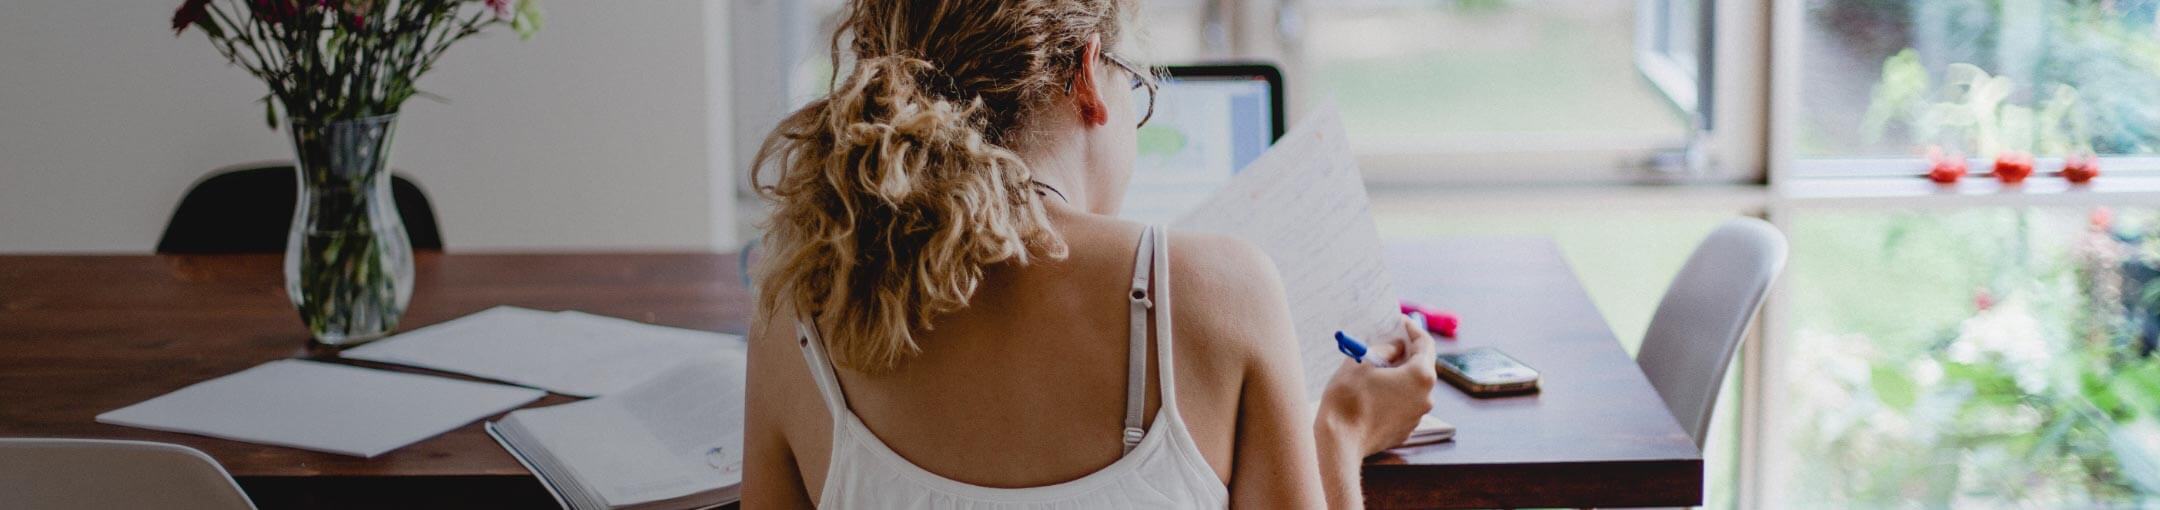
column 1985, row 357
column 1976, row 76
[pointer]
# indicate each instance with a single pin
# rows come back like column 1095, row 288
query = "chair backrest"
column 1705, row 314
column 67, row 474
column 249, row 210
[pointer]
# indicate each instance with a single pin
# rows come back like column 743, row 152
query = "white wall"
column 605, row 131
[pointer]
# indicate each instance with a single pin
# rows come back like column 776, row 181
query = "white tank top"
column 1161, row 468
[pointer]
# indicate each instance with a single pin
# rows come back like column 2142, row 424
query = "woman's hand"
column 1375, row 405
column 1370, row 407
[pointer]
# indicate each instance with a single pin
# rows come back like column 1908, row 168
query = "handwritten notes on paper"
column 1304, row 204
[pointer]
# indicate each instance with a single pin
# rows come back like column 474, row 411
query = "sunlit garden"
column 2014, row 366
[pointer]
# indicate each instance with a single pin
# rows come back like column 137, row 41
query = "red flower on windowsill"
column 2012, row 167
column 1944, row 168
column 2081, row 168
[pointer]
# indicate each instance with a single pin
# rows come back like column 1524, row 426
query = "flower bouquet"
column 339, row 70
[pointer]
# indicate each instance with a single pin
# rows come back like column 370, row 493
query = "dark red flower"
column 190, row 13
column 275, row 11
column 2080, row 168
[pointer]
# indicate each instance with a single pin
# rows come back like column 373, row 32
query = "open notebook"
column 674, row 441
column 1304, row 204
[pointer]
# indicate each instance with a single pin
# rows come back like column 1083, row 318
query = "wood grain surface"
column 81, row 335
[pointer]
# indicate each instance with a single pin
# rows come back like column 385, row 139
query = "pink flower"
column 190, row 13
column 501, row 7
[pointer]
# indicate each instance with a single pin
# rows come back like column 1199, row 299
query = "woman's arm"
column 1287, row 457
column 1340, row 466
column 1370, row 407
column 771, row 478
column 1273, row 465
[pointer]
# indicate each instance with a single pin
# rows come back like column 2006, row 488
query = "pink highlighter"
column 1437, row 321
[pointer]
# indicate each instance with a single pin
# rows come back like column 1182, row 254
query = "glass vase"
column 348, row 262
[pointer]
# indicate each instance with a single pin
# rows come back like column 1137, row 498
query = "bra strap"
column 1136, row 353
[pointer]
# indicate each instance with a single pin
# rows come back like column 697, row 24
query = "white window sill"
column 1980, row 190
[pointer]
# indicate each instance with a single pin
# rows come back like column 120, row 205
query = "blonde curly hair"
column 897, row 189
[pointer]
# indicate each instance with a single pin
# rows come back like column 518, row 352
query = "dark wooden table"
column 84, row 335
column 1596, row 435
column 81, row 335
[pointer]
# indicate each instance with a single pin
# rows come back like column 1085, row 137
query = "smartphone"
column 1485, row 371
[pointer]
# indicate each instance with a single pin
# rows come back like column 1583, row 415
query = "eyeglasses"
column 1140, row 81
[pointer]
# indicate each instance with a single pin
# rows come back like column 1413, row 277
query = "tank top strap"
column 1136, row 350
column 821, row 371
column 1162, row 321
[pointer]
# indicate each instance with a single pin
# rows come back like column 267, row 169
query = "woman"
column 950, row 316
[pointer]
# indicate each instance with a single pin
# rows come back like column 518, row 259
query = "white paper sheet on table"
column 571, row 353
column 1304, row 204
column 322, row 407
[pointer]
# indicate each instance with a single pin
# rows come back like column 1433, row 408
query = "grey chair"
column 1704, row 316
column 68, row 474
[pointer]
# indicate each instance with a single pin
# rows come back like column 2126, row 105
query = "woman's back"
column 1020, row 435
column 1026, row 387
column 943, row 239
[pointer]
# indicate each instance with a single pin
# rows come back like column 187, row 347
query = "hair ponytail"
column 890, row 202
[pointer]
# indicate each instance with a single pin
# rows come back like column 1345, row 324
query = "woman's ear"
column 1087, row 86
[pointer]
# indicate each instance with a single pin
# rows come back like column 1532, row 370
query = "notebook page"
column 600, row 447
column 694, row 412
column 1304, row 204
column 677, row 434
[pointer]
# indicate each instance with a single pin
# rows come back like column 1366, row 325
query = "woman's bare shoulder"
column 1228, row 297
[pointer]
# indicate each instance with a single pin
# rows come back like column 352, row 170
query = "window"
column 1967, row 357
column 1171, row 31
column 1496, row 90
column 1985, row 347
column 1671, row 49
column 1485, row 91
column 1881, row 82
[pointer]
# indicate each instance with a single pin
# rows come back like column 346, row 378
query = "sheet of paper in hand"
column 1304, row 204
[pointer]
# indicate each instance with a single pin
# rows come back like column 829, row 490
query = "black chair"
column 250, row 209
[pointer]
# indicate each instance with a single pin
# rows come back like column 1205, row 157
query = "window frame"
column 1683, row 82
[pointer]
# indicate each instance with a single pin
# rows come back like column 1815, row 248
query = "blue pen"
column 1350, row 346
